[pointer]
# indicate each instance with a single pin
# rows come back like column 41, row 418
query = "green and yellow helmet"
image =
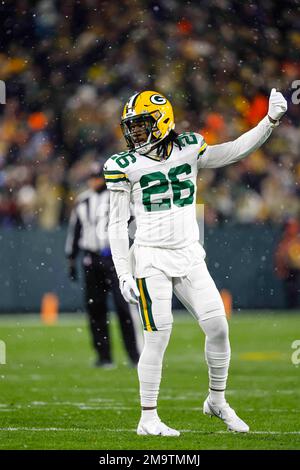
column 151, row 113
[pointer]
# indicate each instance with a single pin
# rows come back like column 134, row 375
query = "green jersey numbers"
column 187, row 138
column 157, row 183
column 123, row 159
column 178, row 185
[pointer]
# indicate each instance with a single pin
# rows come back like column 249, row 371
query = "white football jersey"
column 163, row 192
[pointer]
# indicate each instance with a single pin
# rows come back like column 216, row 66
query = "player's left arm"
column 215, row 156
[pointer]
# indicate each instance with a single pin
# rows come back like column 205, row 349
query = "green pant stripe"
column 149, row 305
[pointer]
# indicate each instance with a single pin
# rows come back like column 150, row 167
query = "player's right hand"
column 129, row 288
column 277, row 105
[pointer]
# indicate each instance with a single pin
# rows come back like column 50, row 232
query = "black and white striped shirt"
column 88, row 223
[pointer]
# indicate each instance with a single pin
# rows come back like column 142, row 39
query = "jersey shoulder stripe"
column 202, row 149
column 115, row 176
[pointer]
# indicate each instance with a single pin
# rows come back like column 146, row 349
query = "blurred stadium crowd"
column 69, row 67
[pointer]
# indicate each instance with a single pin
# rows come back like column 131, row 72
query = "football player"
column 158, row 175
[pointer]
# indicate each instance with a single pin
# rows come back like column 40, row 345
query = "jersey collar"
column 157, row 158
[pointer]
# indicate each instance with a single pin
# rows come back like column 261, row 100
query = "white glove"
column 277, row 105
column 129, row 288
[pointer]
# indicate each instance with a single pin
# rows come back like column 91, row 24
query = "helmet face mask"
column 147, row 119
column 138, row 132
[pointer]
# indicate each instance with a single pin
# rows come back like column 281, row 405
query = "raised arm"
column 216, row 156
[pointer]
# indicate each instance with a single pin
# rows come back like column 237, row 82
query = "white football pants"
column 199, row 294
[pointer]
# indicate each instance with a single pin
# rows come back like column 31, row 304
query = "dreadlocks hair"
column 162, row 148
column 173, row 137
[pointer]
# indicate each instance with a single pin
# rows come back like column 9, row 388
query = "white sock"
column 217, row 397
column 149, row 415
column 217, row 355
column 218, row 364
column 150, row 366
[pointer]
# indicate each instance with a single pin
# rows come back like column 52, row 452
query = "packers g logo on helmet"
column 158, row 99
column 147, row 119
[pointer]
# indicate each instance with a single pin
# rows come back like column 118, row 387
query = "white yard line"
column 190, row 431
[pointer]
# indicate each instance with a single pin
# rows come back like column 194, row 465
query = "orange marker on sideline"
column 227, row 301
column 49, row 308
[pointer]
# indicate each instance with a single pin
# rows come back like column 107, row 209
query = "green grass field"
column 52, row 398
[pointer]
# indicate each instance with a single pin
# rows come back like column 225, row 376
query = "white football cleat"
column 155, row 428
column 226, row 414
